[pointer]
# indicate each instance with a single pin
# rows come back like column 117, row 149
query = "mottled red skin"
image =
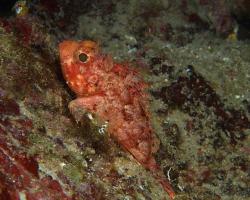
column 115, row 93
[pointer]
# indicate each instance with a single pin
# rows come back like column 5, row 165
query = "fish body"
column 116, row 94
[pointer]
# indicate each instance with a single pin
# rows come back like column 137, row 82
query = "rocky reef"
column 193, row 53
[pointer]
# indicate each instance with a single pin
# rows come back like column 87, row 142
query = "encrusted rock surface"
column 198, row 70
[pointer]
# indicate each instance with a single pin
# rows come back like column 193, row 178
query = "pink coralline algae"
column 19, row 175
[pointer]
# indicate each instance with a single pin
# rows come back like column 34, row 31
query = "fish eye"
column 83, row 57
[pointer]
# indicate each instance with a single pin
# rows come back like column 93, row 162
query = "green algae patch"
column 74, row 173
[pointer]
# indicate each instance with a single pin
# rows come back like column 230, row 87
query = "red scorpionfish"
column 115, row 93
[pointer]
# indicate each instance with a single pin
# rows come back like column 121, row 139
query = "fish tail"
column 160, row 177
column 166, row 186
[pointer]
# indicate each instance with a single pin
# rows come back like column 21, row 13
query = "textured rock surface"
column 200, row 101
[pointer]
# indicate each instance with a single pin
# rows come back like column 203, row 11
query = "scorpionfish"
column 115, row 93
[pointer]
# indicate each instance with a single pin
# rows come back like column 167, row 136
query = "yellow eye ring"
column 83, row 57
